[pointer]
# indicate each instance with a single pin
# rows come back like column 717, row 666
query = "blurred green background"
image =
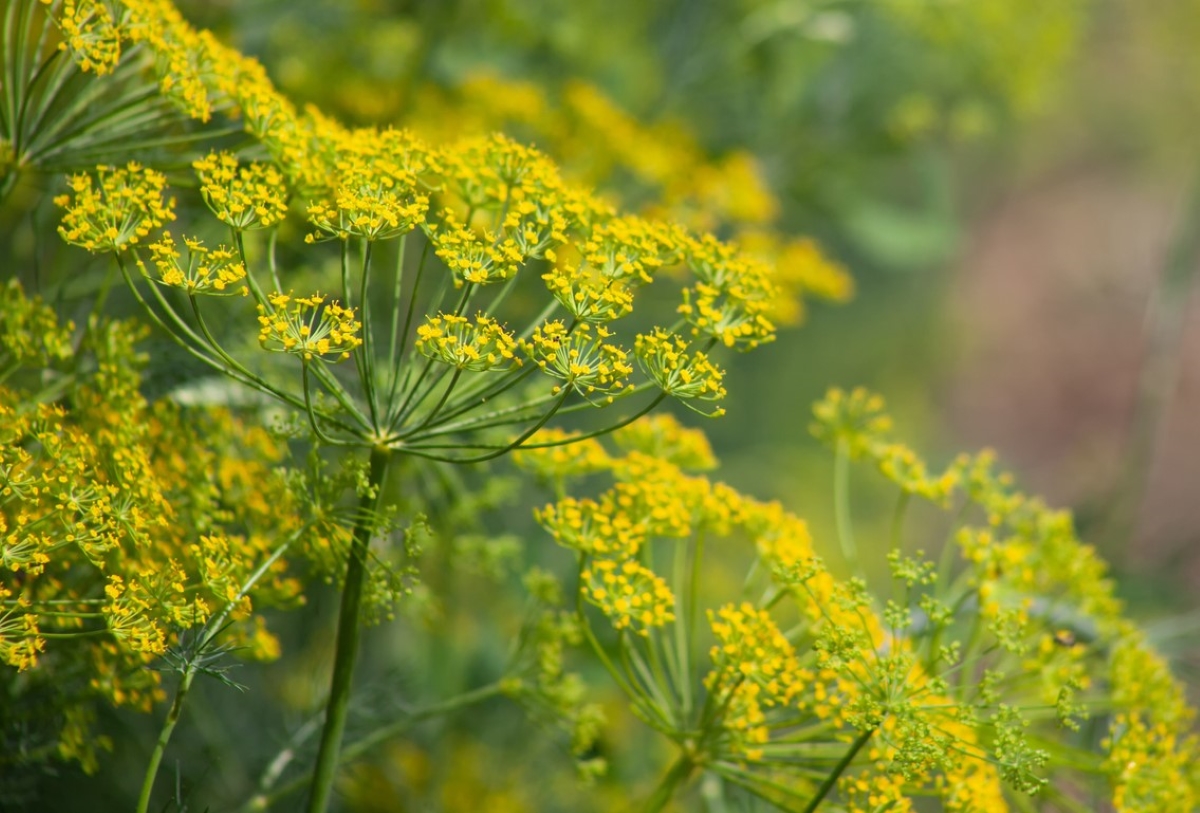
column 1012, row 185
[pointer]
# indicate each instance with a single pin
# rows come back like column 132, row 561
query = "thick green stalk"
column 348, row 632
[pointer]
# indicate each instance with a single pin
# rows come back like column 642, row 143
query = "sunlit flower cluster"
column 91, row 35
column 308, row 326
column 580, row 358
column 205, row 271
column 482, row 344
column 253, row 196
column 665, row 358
column 115, row 209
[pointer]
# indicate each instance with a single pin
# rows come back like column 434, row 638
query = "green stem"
column 348, row 632
column 164, row 737
column 839, row 769
column 898, row 520
column 674, row 777
column 841, row 506
column 266, row 796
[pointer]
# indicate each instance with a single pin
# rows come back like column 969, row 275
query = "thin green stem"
column 266, row 797
column 839, row 769
column 164, row 736
column 841, row 507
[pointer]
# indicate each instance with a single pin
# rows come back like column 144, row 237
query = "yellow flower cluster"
column 616, row 256
column 941, row 694
column 253, row 196
column 474, row 258
column 480, row 345
column 32, row 335
column 375, row 193
column 631, row 595
column 754, row 669
column 307, row 326
column 119, row 525
column 489, row 206
column 663, row 356
column 598, row 141
column 579, row 357
column 116, row 210
column 207, row 271
column 732, row 298
column 90, row 34
column 1046, row 599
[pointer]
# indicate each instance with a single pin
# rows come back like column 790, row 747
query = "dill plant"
column 437, row 372
column 1001, row 675
column 478, row 298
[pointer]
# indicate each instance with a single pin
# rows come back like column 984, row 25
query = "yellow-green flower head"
column 595, row 281
column 116, row 209
column 900, row 464
column 538, row 214
column 567, row 457
column 482, row 172
column 593, row 526
column 372, row 200
column 307, row 326
column 206, row 271
column 19, row 639
column 754, row 668
column 663, row 437
column 727, row 316
column 857, row 418
column 188, row 60
column 30, row 334
column 480, row 345
column 664, row 357
column 587, row 295
column 732, row 298
column 473, row 257
column 631, row 248
column 581, row 357
column 91, row 35
column 245, row 197
column 629, row 594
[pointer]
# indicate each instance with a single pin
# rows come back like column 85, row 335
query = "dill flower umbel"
column 116, row 209
column 253, row 196
column 455, row 340
column 206, row 271
column 307, row 326
column 665, row 358
column 580, row 358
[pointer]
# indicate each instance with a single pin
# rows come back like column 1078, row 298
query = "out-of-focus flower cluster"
column 123, row 523
column 970, row 684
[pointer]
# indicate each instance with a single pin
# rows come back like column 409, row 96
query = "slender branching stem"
column 164, row 736
column 839, row 769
